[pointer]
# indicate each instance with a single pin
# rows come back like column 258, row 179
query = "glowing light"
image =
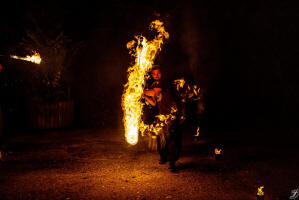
column 144, row 52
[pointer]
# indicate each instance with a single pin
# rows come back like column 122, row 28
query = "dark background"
column 244, row 56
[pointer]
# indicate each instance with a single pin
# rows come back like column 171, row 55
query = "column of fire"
column 144, row 52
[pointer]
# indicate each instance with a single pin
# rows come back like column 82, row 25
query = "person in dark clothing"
column 150, row 110
column 1, row 126
column 149, row 113
column 169, row 139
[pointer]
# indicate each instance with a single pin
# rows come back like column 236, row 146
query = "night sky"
column 243, row 55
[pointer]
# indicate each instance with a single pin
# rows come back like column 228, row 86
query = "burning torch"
column 34, row 58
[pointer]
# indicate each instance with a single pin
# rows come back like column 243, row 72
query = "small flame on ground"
column 197, row 132
column 260, row 191
column 144, row 52
column 218, row 151
column 35, row 58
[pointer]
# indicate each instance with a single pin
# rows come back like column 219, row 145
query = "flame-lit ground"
column 101, row 165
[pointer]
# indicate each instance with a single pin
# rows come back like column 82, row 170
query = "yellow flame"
column 260, row 191
column 187, row 90
column 162, row 120
column 144, row 52
column 218, row 151
column 197, row 131
column 196, row 90
column 179, row 83
column 35, row 58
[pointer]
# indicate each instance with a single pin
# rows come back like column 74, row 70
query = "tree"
column 58, row 52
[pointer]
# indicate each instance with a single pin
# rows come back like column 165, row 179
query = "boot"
column 172, row 166
column 162, row 161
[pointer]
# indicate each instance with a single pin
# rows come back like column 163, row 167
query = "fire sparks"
column 179, row 83
column 162, row 121
column 260, row 191
column 186, row 90
column 218, row 151
column 144, row 52
column 35, row 58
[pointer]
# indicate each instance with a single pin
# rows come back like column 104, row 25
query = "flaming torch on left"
column 35, row 58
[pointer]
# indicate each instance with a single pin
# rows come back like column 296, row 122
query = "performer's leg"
column 162, row 149
column 175, row 145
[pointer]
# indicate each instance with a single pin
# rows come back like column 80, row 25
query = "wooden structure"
column 51, row 115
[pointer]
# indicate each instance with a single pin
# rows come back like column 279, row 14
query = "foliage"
column 52, row 78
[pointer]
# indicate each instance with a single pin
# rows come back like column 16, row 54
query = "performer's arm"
column 149, row 99
column 152, row 92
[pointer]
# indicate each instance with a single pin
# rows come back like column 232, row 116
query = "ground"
column 99, row 164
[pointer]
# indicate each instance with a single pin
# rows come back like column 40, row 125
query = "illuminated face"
column 156, row 74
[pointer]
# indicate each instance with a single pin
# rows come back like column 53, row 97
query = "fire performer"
column 169, row 139
column 150, row 109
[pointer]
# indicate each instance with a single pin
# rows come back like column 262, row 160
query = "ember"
column 144, row 52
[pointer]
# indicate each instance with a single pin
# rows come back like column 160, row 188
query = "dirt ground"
column 99, row 164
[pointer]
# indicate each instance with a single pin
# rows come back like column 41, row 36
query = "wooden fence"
column 51, row 115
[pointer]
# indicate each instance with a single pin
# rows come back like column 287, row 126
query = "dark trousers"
column 169, row 143
column 1, row 129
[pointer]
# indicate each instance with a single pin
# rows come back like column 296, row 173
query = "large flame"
column 35, row 58
column 144, row 52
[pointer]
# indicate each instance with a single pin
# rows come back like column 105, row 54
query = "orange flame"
column 162, row 120
column 35, row 58
column 179, row 83
column 144, row 52
column 218, row 151
column 260, row 191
